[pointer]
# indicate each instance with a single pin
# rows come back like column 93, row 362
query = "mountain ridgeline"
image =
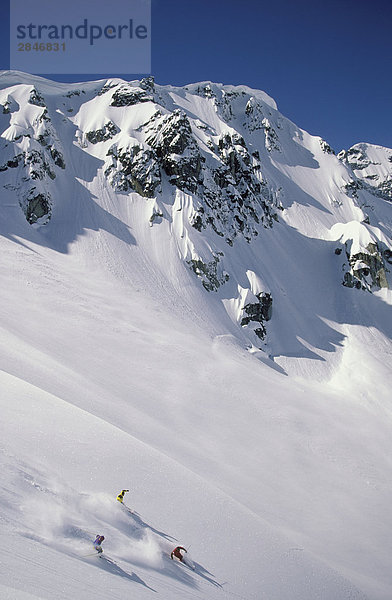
column 263, row 215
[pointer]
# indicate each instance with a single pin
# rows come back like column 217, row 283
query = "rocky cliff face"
column 218, row 166
column 230, row 194
column 34, row 151
column 372, row 167
column 372, row 172
column 367, row 269
column 368, row 266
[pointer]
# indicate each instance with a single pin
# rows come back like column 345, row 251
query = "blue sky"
column 327, row 63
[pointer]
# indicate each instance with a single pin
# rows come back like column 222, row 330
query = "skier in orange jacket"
column 176, row 552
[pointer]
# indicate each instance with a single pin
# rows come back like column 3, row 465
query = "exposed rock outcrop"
column 176, row 149
column 210, row 273
column 236, row 197
column 37, row 153
column 367, row 269
column 107, row 132
column 258, row 312
column 37, row 206
column 371, row 171
column 133, row 168
column 126, row 95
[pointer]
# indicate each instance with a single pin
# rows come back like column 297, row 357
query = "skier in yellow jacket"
column 120, row 497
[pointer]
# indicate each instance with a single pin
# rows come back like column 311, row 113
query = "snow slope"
column 174, row 321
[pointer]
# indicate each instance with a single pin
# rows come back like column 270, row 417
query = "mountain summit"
column 263, row 215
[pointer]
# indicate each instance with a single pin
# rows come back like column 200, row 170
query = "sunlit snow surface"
column 119, row 370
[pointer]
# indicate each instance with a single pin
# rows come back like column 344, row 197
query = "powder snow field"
column 270, row 460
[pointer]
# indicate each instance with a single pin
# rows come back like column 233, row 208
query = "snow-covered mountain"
column 195, row 305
